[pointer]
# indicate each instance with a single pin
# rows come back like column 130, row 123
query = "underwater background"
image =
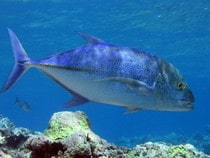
column 178, row 31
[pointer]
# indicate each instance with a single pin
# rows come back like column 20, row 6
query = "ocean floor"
column 69, row 136
column 200, row 140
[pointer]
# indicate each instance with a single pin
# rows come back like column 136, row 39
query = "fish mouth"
column 186, row 104
column 189, row 106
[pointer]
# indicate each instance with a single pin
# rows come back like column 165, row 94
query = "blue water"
column 178, row 31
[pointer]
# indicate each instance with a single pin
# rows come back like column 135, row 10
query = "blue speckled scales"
column 104, row 73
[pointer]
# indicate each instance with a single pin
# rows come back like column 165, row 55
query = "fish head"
column 173, row 92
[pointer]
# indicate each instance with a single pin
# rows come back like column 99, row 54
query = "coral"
column 69, row 135
column 149, row 149
column 63, row 124
column 202, row 140
column 12, row 139
column 6, row 123
column 82, row 142
column 77, row 145
column 171, row 138
column 2, row 138
column 42, row 146
column 4, row 155
column 180, row 151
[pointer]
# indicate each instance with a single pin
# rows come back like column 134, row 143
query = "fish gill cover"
column 173, row 30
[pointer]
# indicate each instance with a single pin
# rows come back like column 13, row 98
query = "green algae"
column 58, row 131
column 179, row 151
column 63, row 126
column 133, row 154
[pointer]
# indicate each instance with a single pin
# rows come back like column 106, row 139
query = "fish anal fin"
column 90, row 39
column 132, row 109
column 76, row 100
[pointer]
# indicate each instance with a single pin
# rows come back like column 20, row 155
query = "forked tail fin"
column 21, row 59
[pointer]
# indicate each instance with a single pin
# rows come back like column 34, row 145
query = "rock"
column 69, row 136
column 63, row 124
column 12, row 139
column 15, row 137
column 42, row 146
column 4, row 155
column 6, row 123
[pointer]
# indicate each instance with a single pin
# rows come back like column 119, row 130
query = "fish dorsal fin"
column 90, row 39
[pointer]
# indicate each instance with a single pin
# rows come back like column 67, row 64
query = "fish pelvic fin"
column 77, row 100
column 21, row 60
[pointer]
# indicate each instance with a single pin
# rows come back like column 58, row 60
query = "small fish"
column 22, row 104
column 110, row 74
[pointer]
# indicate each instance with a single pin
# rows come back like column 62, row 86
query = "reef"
column 69, row 135
column 201, row 140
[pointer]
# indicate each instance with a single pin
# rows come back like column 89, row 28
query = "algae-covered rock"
column 5, row 123
column 12, row 139
column 148, row 149
column 63, row 124
column 42, row 146
column 69, row 136
column 162, row 150
column 186, row 151
column 79, row 144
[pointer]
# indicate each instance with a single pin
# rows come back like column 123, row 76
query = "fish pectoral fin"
column 143, row 88
column 134, row 85
column 90, row 39
column 131, row 110
column 76, row 100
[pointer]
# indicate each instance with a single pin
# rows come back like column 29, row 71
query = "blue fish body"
column 105, row 73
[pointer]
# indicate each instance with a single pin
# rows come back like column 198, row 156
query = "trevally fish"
column 23, row 104
column 110, row 74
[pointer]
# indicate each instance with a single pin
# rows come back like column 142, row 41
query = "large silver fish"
column 106, row 73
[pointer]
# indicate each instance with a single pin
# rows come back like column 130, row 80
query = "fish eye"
column 180, row 85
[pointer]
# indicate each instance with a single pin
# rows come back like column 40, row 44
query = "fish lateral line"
column 62, row 67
